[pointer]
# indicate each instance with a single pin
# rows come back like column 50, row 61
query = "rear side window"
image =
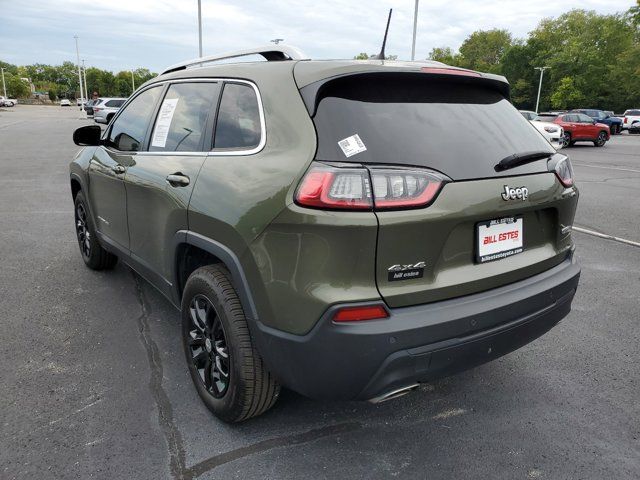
column 129, row 129
column 114, row 103
column 183, row 117
column 238, row 124
column 460, row 127
column 582, row 118
column 632, row 112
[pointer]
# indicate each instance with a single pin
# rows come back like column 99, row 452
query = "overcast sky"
column 123, row 34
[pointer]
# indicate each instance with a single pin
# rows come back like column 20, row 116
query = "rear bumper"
column 419, row 343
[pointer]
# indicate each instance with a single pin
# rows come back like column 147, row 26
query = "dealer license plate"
column 500, row 238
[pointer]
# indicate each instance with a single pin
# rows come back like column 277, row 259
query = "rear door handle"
column 118, row 169
column 178, row 180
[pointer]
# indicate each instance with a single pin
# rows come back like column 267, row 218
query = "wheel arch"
column 193, row 250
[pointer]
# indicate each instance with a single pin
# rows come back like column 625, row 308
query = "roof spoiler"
column 311, row 93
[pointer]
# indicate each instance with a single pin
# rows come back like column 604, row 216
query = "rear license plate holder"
column 499, row 238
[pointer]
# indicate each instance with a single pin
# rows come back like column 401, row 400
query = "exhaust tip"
column 398, row 392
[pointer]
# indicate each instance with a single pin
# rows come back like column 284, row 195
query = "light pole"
column 133, row 83
column 4, row 88
column 79, row 74
column 542, row 69
column 199, row 29
column 277, row 40
column 84, row 70
column 415, row 28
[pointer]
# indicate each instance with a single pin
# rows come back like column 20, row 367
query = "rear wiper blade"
column 518, row 159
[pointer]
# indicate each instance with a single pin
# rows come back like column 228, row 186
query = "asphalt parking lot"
column 94, row 383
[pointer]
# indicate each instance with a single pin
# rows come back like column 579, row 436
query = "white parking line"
column 604, row 235
column 605, row 167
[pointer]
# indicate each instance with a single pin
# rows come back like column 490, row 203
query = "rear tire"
column 226, row 369
column 601, row 140
column 95, row 257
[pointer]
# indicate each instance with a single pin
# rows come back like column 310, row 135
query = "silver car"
column 106, row 109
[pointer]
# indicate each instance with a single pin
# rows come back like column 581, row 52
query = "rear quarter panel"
column 236, row 197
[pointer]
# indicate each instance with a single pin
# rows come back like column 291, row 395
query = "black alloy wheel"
column 82, row 231
column 208, row 346
column 601, row 140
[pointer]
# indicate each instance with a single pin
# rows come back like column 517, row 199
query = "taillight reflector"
column 357, row 314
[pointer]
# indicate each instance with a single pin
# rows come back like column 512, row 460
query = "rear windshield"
column 460, row 129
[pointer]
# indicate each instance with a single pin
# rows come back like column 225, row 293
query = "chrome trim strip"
column 212, row 153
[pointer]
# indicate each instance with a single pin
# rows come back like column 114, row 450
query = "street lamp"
column 277, row 40
column 84, row 70
column 415, row 28
column 4, row 88
column 199, row 29
column 542, row 69
column 79, row 75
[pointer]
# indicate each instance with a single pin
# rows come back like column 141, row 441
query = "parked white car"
column 108, row 107
column 65, row 102
column 7, row 102
column 552, row 132
column 631, row 120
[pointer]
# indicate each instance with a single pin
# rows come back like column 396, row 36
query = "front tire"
column 94, row 256
column 601, row 140
column 226, row 369
column 566, row 140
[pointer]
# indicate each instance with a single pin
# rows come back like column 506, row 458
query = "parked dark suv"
column 323, row 228
column 600, row 116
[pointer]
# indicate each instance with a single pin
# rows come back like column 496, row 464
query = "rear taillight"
column 561, row 166
column 360, row 313
column 340, row 188
column 350, row 188
column 625, row 119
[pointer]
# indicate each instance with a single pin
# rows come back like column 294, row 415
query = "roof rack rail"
column 269, row 52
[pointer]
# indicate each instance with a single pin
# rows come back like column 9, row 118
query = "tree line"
column 61, row 81
column 594, row 60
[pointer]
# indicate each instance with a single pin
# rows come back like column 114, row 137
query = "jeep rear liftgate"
column 453, row 220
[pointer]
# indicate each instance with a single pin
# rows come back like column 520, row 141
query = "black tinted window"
column 129, row 129
column 238, row 123
column 632, row 112
column 182, row 118
column 114, row 103
column 459, row 128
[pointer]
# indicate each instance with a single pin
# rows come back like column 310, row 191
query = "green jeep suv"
column 331, row 226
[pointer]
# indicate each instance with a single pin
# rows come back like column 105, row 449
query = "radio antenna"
column 380, row 56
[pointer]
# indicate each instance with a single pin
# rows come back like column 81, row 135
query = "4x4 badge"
column 406, row 272
column 519, row 193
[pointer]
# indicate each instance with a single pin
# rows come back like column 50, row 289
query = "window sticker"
column 165, row 116
column 352, row 145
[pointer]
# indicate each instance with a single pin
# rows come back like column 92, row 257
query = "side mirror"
column 87, row 136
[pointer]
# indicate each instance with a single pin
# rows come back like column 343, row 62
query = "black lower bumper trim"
column 420, row 343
